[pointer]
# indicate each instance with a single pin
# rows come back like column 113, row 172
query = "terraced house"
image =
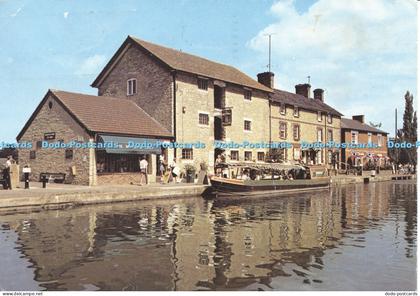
column 297, row 117
column 194, row 98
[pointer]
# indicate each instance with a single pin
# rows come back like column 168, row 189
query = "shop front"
column 120, row 164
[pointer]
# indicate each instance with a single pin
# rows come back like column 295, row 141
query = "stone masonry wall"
column 59, row 121
column 309, row 124
column 154, row 84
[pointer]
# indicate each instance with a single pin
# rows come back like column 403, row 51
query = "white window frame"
column 329, row 118
column 356, row 134
column 330, row 131
column 131, row 90
column 380, row 140
column 296, row 111
column 369, row 138
column 281, row 123
column 236, row 151
column 283, row 109
column 245, row 152
column 298, row 132
column 318, row 131
column 319, row 116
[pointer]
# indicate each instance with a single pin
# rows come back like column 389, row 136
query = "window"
column 68, row 154
column 379, row 140
column 329, row 118
column 330, row 136
column 370, row 137
column 38, row 144
column 319, row 135
column 247, row 125
column 282, row 109
column 227, row 116
column 296, row 132
column 282, row 154
column 248, row 156
column 32, row 154
column 234, row 155
column 319, row 116
column 296, row 153
column 202, row 83
column 203, row 119
column 260, row 156
column 354, row 137
column 131, row 86
column 329, row 157
column 296, row 111
column 247, row 94
column 283, row 130
column 116, row 163
column 187, row 153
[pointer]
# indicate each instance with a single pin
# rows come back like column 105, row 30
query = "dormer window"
column 282, row 109
column 296, row 111
column 202, row 83
column 131, row 86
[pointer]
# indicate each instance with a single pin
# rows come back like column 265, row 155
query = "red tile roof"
column 110, row 115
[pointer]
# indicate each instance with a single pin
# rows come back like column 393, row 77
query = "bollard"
column 26, row 180
column 44, row 181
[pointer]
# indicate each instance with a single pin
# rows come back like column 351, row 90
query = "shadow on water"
column 327, row 240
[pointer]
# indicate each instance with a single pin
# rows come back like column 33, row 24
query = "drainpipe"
column 174, row 107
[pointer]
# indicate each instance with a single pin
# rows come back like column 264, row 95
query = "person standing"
column 143, row 170
column 7, row 172
column 175, row 170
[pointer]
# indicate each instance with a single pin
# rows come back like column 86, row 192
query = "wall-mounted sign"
column 49, row 136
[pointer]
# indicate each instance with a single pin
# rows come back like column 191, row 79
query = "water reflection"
column 312, row 241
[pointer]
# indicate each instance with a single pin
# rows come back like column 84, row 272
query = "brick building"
column 194, row 98
column 355, row 131
column 297, row 117
column 63, row 117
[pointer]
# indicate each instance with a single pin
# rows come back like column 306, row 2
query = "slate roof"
column 288, row 98
column 101, row 114
column 181, row 61
column 352, row 124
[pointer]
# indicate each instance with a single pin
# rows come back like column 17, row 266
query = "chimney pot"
column 266, row 78
column 303, row 89
column 319, row 94
column 360, row 118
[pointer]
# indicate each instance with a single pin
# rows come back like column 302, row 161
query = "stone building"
column 194, row 98
column 356, row 132
column 72, row 119
column 298, row 118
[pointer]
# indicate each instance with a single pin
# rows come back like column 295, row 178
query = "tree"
column 409, row 131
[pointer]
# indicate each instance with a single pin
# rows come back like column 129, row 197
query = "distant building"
column 355, row 131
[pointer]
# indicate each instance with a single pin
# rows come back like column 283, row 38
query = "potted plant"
column 203, row 166
column 190, row 172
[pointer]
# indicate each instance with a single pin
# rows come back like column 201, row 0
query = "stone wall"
column 191, row 101
column 118, row 178
column 154, row 84
column 308, row 123
column 57, row 120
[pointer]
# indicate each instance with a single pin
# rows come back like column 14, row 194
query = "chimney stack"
column 303, row 89
column 266, row 78
column 360, row 118
column 319, row 94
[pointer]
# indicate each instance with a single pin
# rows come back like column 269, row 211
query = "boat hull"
column 231, row 187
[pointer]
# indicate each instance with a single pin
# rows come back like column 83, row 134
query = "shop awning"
column 131, row 145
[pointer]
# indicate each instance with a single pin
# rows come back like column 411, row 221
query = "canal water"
column 355, row 237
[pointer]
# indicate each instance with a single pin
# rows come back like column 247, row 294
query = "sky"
column 362, row 53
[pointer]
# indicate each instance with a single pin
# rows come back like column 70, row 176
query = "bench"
column 54, row 177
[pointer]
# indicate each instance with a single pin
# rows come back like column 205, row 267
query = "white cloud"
column 16, row 12
column 359, row 51
column 91, row 65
